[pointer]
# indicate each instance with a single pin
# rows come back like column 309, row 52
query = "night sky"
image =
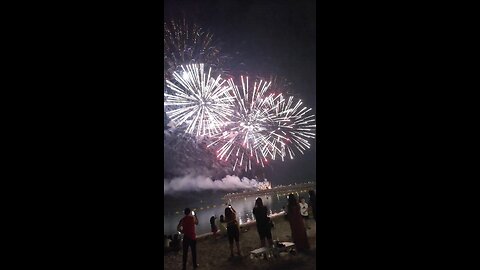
column 265, row 37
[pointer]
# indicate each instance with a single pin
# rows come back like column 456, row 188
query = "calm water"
column 216, row 207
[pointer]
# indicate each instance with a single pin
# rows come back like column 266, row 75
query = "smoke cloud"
column 193, row 182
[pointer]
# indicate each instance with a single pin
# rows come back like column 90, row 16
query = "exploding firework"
column 295, row 125
column 264, row 126
column 198, row 100
column 247, row 136
column 187, row 43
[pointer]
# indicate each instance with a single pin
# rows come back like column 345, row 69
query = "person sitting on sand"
column 187, row 227
column 214, row 227
column 233, row 231
column 299, row 234
column 221, row 225
column 263, row 222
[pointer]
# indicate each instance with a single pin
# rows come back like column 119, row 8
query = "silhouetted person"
column 233, row 230
column 263, row 222
column 187, row 227
column 222, row 226
column 214, row 227
column 299, row 234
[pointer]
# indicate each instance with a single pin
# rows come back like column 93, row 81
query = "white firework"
column 294, row 126
column 247, row 136
column 198, row 101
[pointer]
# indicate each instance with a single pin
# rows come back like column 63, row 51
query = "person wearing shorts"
column 264, row 226
column 233, row 231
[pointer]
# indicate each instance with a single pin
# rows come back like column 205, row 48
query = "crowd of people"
column 296, row 212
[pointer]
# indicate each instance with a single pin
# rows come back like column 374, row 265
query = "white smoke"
column 193, row 182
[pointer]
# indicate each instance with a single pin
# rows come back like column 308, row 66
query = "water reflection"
column 243, row 206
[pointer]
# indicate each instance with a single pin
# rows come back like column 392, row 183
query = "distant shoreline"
column 304, row 187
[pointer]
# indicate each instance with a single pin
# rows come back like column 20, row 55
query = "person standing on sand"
column 233, row 230
column 263, row 222
column 304, row 211
column 299, row 234
column 214, row 227
column 187, row 227
column 221, row 225
column 313, row 203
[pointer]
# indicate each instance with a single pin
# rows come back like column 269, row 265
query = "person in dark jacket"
column 263, row 222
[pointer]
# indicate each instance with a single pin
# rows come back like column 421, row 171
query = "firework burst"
column 264, row 126
column 247, row 136
column 199, row 101
column 295, row 125
column 187, row 43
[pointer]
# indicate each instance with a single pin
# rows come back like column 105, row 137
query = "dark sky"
column 271, row 37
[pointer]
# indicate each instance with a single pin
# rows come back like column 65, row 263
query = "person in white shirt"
column 304, row 211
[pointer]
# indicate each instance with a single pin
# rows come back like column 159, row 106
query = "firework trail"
column 198, row 100
column 187, row 43
column 279, row 84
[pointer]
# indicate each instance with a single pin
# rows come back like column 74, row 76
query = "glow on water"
column 243, row 206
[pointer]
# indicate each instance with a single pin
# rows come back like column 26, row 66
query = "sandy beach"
column 215, row 254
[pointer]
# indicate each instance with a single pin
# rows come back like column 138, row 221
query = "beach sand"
column 215, row 254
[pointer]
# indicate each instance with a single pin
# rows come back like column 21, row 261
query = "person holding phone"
column 264, row 226
column 233, row 231
column 187, row 227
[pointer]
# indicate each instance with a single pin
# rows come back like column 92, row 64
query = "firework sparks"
column 295, row 126
column 187, row 43
column 263, row 127
column 198, row 100
column 247, row 126
column 247, row 136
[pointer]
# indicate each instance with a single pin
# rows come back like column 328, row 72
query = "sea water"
column 212, row 204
